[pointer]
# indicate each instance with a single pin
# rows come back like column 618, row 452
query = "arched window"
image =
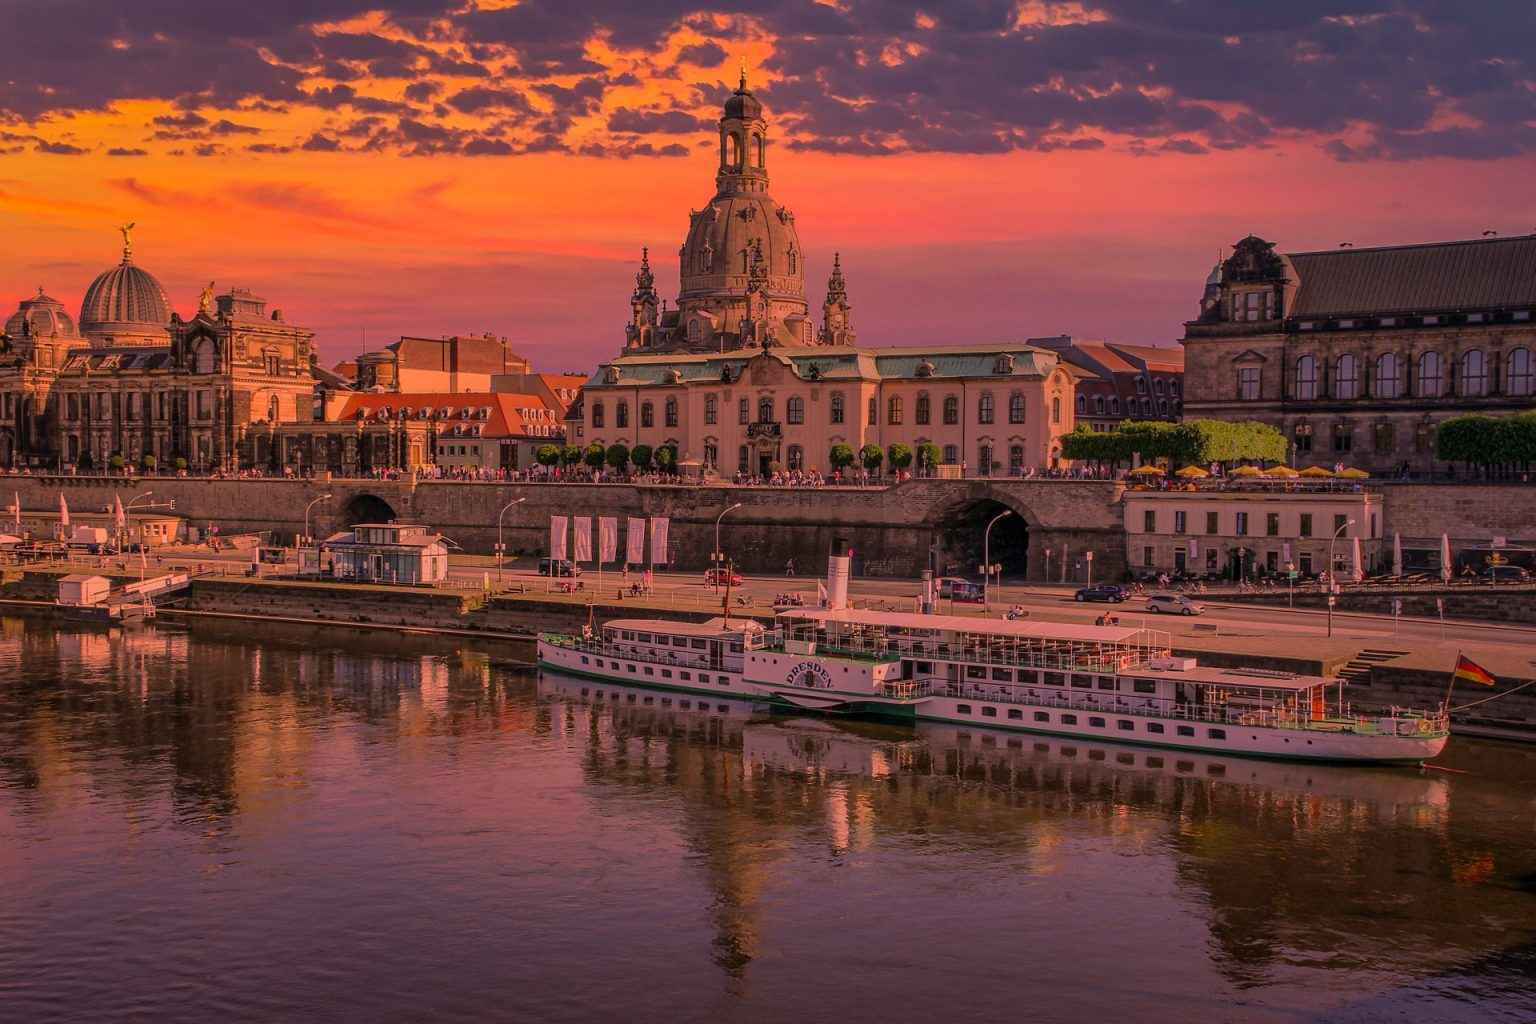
column 951, row 454
column 206, row 357
column 924, row 409
column 695, row 331
column 597, row 414
column 742, row 459
column 1082, row 404
column 1306, row 377
column 669, row 412
column 1346, row 377
column 794, row 260
column 743, row 412
column 621, row 415
column 760, row 143
column 732, row 151
column 1474, row 374
column 1114, row 405
column 1098, row 405
column 1016, row 459
column 1431, row 382
column 837, row 407
column 711, row 454
column 874, row 410
column 1157, row 385
column 1389, row 376
column 647, row 415
column 765, row 409
column 1016, row 407
column 796, row 457
column 984, row 408
column 711, row 409
column 794, row 409
column 1520, row 374
column 951, row 412
column 984, row 458
column 1056, row 409
column 893, row 409
column 1162, row 407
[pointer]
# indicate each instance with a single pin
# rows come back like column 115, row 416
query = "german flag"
column 1469, row 671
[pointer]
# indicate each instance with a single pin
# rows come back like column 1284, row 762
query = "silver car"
column 1174, row 604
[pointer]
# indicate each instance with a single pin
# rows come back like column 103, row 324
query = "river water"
column 252, row 823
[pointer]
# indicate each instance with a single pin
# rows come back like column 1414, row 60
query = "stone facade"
column 1117, row 382
column 1357, row 354
column 138, row 380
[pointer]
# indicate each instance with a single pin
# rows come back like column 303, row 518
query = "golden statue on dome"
column 127, row 230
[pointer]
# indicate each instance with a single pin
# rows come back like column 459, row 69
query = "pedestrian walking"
column 789, row 567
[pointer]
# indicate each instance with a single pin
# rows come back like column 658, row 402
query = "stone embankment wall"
column 1512, row 604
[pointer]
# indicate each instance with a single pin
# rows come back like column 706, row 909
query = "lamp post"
column 718, row 558
column 1047, row 565
column 986, row 556
column 1333, row 585
column 501, row 548
column 311, row 505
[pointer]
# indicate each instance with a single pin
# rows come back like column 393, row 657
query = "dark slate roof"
column 1486, row 273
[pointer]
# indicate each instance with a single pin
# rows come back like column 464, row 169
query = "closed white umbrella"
column 63, row 512
column 1397, row 554
column 1445, row 558
column 1357, row 567
column 119, row 517
column 16, row 510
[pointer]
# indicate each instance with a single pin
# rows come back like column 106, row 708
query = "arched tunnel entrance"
column 366, row 508
column 961, row 533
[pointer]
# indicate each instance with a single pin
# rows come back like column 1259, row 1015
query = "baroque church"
column 131, row 383
column 738, row 379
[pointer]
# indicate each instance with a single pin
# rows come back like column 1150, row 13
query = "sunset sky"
column 988, row 170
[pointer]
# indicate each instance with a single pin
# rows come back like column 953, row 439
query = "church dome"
column 41, row 317
column 725, row 237
column 125, row 306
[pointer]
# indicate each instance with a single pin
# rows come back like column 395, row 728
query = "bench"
column 1207, row 627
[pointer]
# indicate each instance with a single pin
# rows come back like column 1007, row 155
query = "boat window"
column 643, row 638
column 1216, row 734
column 1002, row 675
column 1041, row 716
column 1068, row 719
column 699, row 645
column 1125, row 758
column 666, row 702
column 988, row 712
column 666, row 673
column 1154, row 762
column 1095, row 755
column 1126, row 724
column 1184, row 766
column 628, row 635
column 1145, row 686
column 584, row 659
column 685, row 675
column 1083, row 682
column 1015, row 713
column 1186, row 730
column 630, row 667
column 1097, row 723
column 1055, row 679
column 736, row 648
column 686, row 705
column 1068, row 751
column 1216, row 769
column 1155, row 727
column 975, row 672
column 963, row 709
column 724, row 680
column 925, row 666
column 649, row 671
column 1106, row 682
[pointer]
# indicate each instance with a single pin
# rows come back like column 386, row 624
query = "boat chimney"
column 925, row 605
column 838, row 563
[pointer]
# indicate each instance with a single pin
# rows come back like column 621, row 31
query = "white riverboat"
column 1091, row 682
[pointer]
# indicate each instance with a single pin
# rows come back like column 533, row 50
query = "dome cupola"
column 125, row 305
column 41, row 317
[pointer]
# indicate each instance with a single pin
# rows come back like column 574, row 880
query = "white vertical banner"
column 557, row 532
column 607, row 539
column 1285, row 552
column 1194, row 551
column 634, row 541
column 583, row 546
column 659, row 525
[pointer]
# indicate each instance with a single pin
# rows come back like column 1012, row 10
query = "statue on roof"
column 127, row 230
column 205, row 300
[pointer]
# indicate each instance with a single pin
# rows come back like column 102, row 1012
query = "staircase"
column 1358, row 669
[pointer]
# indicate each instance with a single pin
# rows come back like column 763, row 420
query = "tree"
column 641, row 456
column 180, row 463
column 618, row 456
column 149, row 462
column 548, row 454
column 900, row 456
column 871, row 456
column 116, row 461
column 1193, row 441
column 928, row 455
column 1499, row 446
column 593, row 456
column 841, row 456
column 570, row 455
column 666, row 458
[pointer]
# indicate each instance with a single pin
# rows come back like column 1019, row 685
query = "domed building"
column 135, row 382
column 125, row 306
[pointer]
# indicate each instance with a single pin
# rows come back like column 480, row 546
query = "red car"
column 722, row 577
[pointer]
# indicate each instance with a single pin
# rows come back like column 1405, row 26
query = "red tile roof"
column 505, row 415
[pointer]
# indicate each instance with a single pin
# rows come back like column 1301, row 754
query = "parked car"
column 1505, row 574
column 964, row 591
column 558, row 567
column 1104, row 592
column 1174, row 604
column 722, row 577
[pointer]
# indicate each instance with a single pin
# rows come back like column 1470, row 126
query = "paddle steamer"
column 1093, row 682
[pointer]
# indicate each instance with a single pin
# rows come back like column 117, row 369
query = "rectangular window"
column 1097, row 723
column 1180, row 522
column 1002, row 675
column 1068, row 719
column 685, row 676
column 1339, row 522
column 1080, row 682
column 1248, row 383
column 962, row 709
column 666, row 673
column 1055, row 679
column 1148, row 557
column 1144, row 686
column 1015, row 713
column 1041, row 716
column 1306, row 524
column 1106, row 682
column 975, row 672
column 988, row 712
column 1212, row 522
column 743, row 411
column 1186, row 730
column 1216, row 734
column 1306, row 562
column 1149, row 521
column 1155, row 727
column 1242, row 524
column 1125, row 725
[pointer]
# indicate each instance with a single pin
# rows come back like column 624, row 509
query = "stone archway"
column 366, row 508
column 960, row 528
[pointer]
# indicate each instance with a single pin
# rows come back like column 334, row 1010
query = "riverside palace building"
column 739, row 378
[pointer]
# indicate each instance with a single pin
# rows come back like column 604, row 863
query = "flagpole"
column 1452, row 686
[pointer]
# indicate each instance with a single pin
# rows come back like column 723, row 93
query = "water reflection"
column 440, row 829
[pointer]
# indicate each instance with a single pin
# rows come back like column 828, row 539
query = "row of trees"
column 872, row 456
column 117, row 461
column 1497, row 446
column 1193, row 442
column 617, row 456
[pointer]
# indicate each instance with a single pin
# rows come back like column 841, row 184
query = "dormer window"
column 1004, row 364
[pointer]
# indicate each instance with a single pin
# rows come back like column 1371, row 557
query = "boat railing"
column 609, row 650
column 1399, row 721
column 886, row 650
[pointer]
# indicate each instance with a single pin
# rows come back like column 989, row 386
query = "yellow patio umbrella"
column 1281, row 473
column 1353, row 474
column 1147, row 470
column 1316, row 473
column 1247, row 471
column 1192, row 473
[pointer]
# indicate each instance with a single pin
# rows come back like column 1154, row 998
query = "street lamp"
column 311, row 505
column 719, row 556
column 501, row 548
column 986, row 556
column 1332, row 574
column 1047, row 565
